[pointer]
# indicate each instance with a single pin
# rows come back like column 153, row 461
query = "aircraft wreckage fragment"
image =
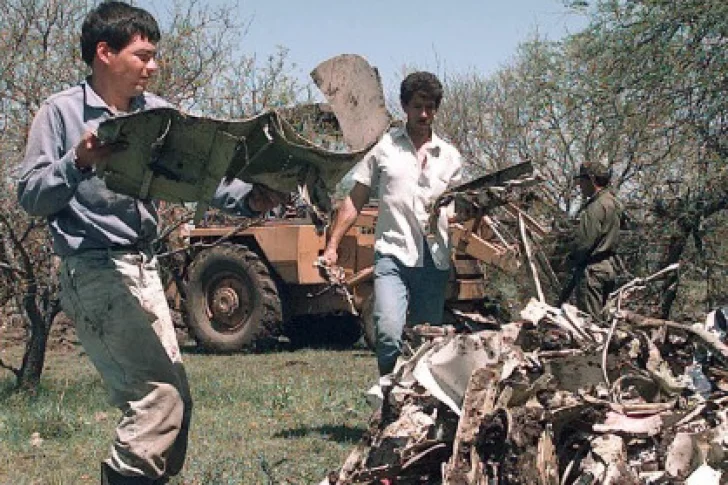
column 552, row 398
column 165, row 154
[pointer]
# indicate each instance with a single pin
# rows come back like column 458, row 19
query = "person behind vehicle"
column 409, row 169
column 592, row 257
column 110, row 285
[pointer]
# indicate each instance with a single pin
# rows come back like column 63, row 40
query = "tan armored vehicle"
column 239, row 292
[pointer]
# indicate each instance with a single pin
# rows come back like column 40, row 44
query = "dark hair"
column 423, row 82
column 115, row 23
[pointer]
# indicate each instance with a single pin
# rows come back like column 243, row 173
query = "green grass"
column 286, row 417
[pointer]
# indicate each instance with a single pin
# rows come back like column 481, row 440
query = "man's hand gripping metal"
column 336, row 279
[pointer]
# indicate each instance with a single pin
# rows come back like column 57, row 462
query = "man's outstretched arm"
column 346, row 215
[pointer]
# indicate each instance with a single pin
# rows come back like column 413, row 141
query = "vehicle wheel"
column 232, row 301
column 366, row 318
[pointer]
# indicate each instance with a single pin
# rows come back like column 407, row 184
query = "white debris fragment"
column 704, row 475
column 682, row 456
column 619, row 423
column 445, row 370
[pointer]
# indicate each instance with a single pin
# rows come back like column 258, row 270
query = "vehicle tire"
column 232, row 301
column 366, row 317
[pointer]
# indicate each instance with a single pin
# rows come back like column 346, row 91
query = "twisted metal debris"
column 554, row 399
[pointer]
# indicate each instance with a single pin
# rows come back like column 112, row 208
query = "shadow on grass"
column 340, row 434
column 265, row 347
column 356, row 352
column 333, row 333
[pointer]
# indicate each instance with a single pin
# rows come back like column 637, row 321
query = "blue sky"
column 443, row 36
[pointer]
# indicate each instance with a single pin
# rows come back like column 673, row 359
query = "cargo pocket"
column 87, row 283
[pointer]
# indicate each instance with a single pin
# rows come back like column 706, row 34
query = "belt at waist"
column 116, row 249
column 121, row 248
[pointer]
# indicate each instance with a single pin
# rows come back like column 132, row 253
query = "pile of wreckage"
column 553, row 398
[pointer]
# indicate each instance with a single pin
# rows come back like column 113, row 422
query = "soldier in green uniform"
column 592, row 258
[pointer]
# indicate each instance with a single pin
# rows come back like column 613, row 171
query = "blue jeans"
column 397, row 289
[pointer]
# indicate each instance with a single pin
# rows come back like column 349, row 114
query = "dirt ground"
column 62, row 338
column 309, row 333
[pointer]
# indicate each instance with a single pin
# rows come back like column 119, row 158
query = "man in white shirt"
column 409, row 169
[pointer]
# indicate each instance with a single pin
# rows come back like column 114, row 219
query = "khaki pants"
column 117, row 302
column 593, row 286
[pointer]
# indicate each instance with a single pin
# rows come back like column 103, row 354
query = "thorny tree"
column 641, row 89
column 39, row 41
column 546, row 107
column 670, row 58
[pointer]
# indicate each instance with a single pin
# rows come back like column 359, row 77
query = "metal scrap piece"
column 165, row 154
column 354, row 91
column 465, row 465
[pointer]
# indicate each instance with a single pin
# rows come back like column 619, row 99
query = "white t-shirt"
column 407, row 190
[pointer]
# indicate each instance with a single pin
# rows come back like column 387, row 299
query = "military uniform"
column 593, row 255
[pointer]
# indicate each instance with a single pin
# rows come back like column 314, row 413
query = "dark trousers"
column 593, row 285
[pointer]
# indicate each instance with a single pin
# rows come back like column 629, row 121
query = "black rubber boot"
column 109, row 476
